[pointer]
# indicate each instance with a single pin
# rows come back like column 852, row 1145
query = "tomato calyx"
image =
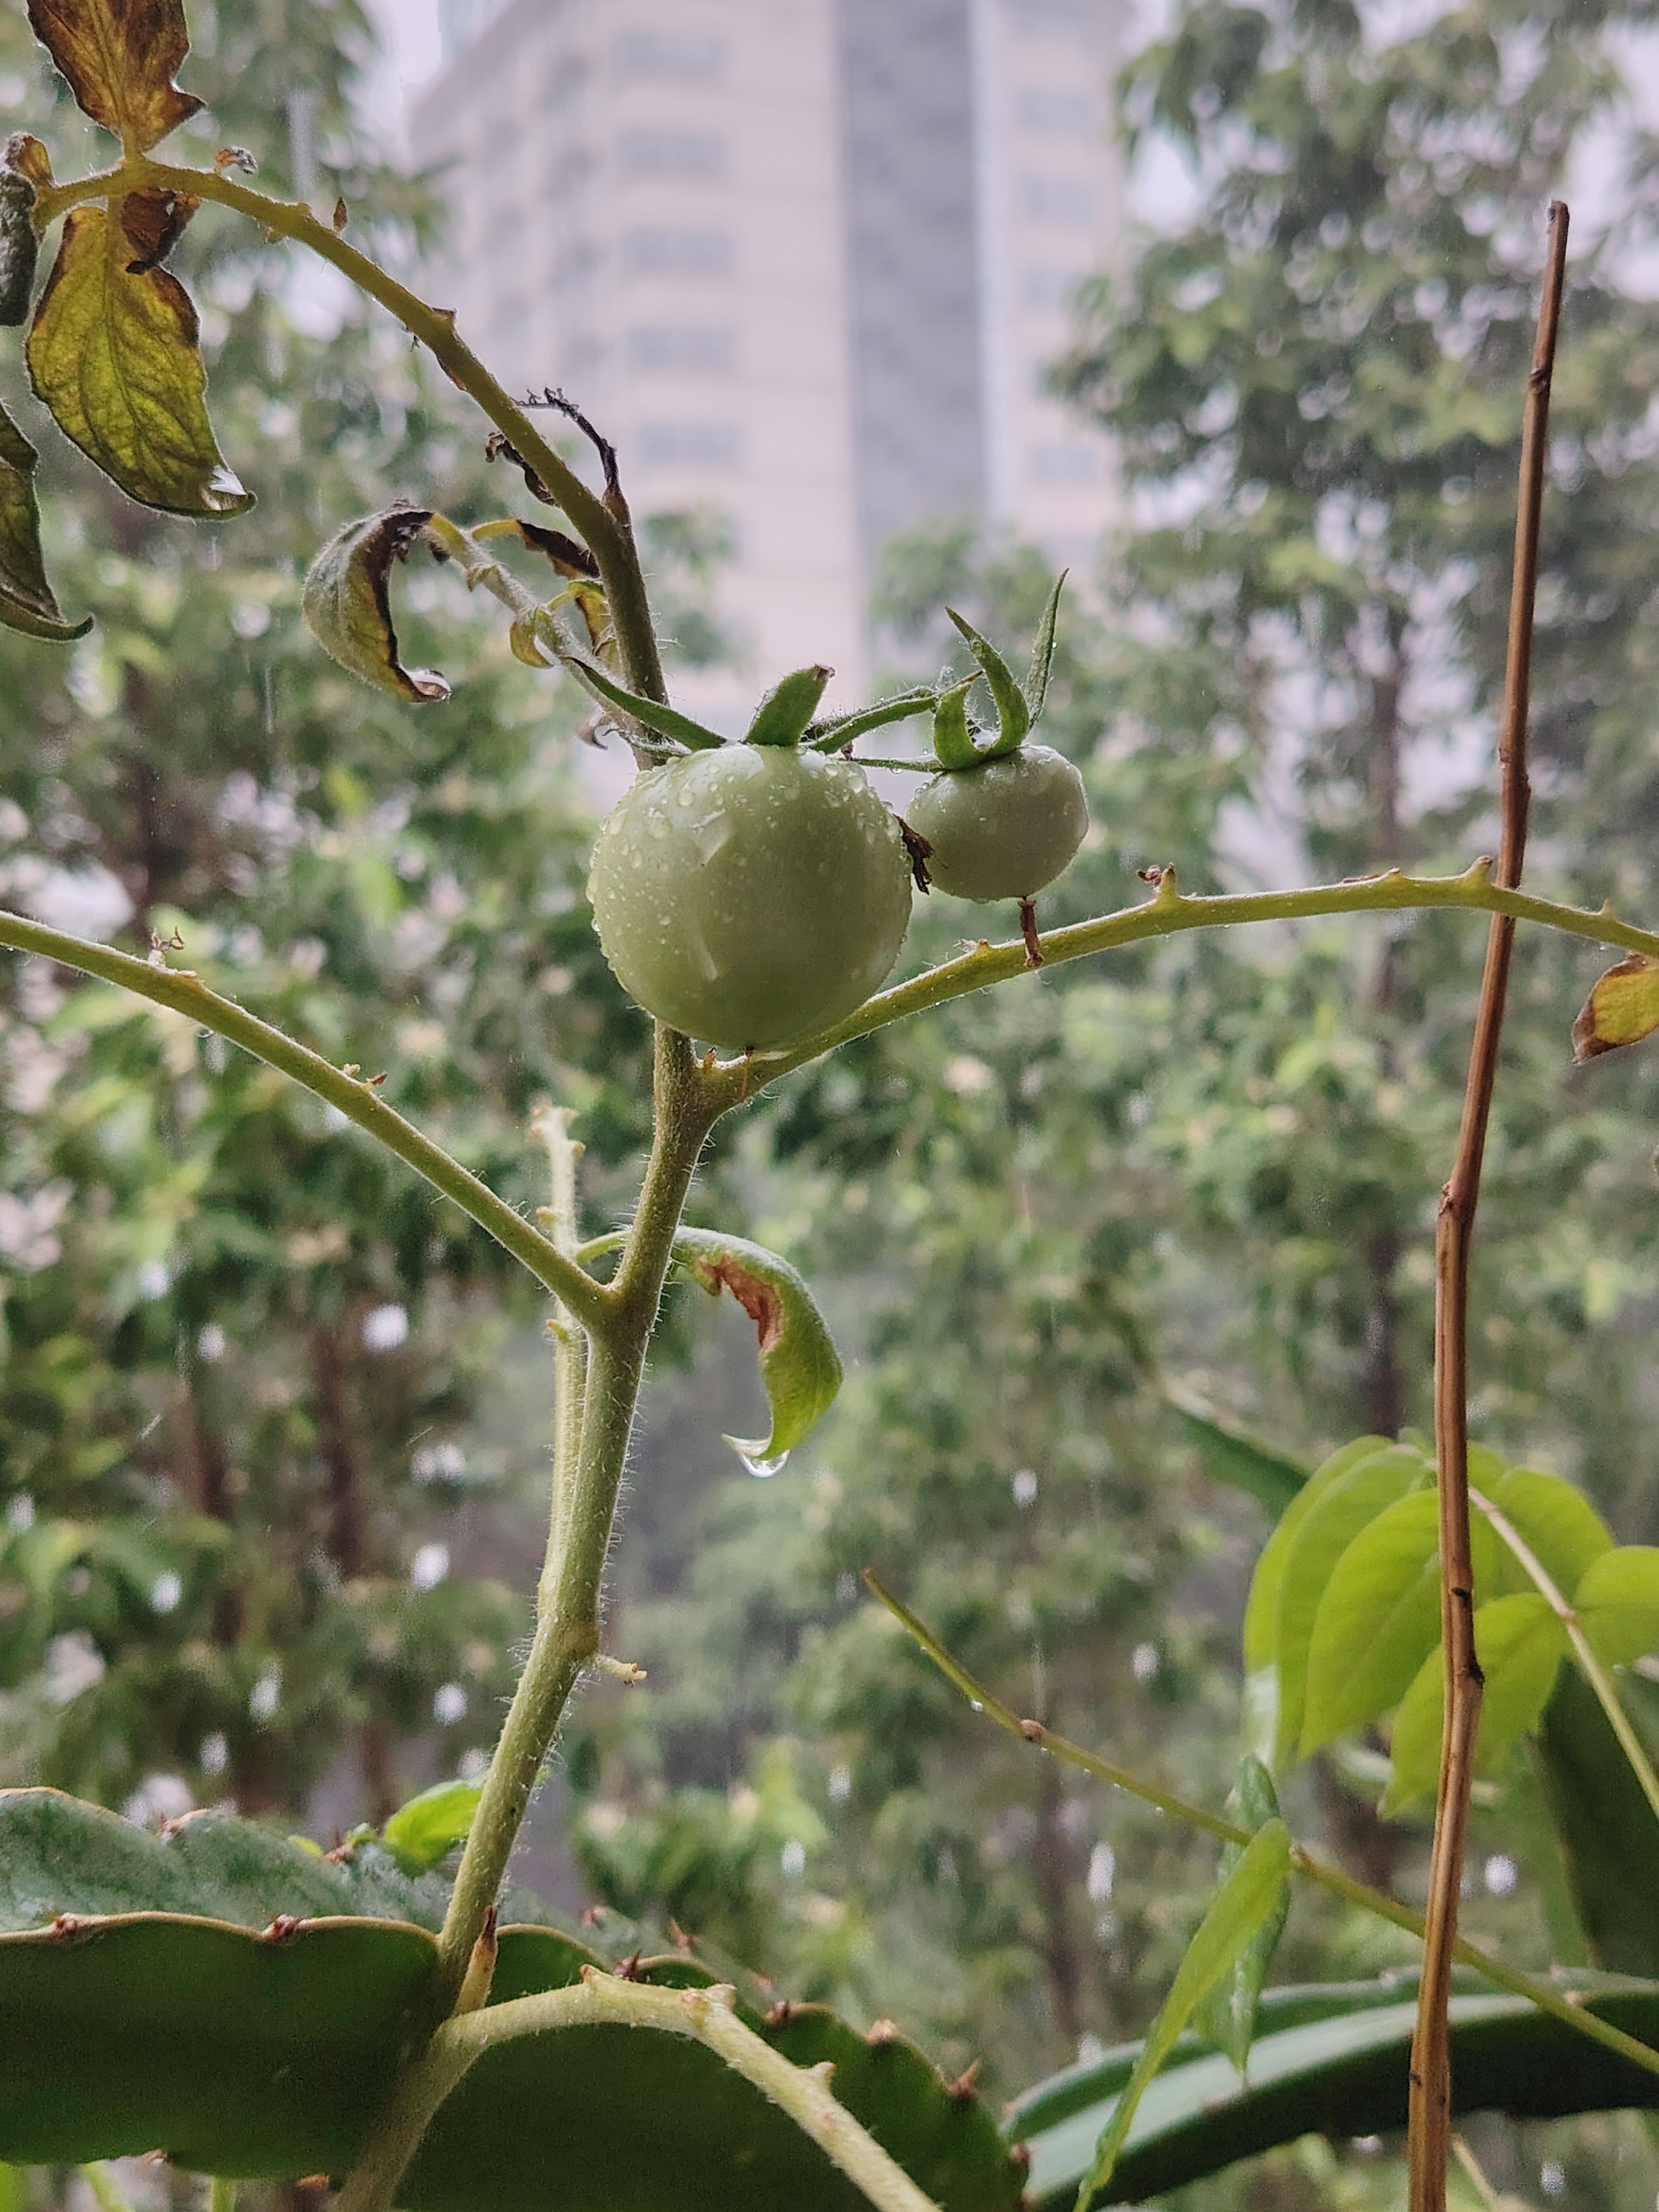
column 959, row 742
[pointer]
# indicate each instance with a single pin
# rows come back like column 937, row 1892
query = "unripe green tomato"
column 750, row 893
column 1005, row 829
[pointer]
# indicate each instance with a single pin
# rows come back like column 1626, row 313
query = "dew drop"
column 976, row 1705
column 762, row 1469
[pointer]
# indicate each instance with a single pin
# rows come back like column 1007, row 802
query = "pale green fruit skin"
column 1003, row 831
column 751, row 895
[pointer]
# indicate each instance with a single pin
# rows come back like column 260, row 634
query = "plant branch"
column 552, row 1125
column 1595, row 1673
column 1429, row 2128
column 1562, row 2005
column 1166, row 913
column 184, row 991
column 608, row 533
column 708, row 2016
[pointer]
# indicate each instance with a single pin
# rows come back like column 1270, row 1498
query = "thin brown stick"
column 1429, row 2140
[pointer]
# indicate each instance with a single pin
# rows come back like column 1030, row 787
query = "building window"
column 1057, row 199
column 670, row 253
column 689, row 444
column 684, row 56
column 690, row 348
column 1068, row 114
column 689, row 156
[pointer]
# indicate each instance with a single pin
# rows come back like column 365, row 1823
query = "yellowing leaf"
column 119, row 57
column 26, row 597
column 347, row 603
column 113, row 353
column 1621, row 1009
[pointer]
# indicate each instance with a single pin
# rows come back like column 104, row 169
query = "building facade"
column 805, row 260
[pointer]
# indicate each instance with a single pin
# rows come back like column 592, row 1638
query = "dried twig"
column 1430, row 2133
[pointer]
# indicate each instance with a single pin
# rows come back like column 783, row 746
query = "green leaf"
column 120, row 57
column 1609, row 1832
column 1617, row 1601
column 835, row 731
column 1341, row 2071
column 1232, row 1457
column 650, row 714
column 1344, row 1505
column 784, row 713
column 1520, row 1643
column 266, row 2048
column 798, row 1363
column 113, row 353
column 19, row 247
column 1013, row 710
column 27, row 602
column 421, row 1834
column 1262, row 1604
column 1557, row 1523
column 1229, row 2013
column 1622, row 1008
column 348, row 605
column 1043, row 652
column 1249, row 1896
column 1379, row 1618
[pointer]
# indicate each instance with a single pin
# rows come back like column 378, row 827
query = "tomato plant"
column 383, row 2017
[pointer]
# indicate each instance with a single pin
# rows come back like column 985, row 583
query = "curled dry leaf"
column 347, row 603
column 26, row 597
column 1622, row 1009
column 19, row 247
column 153, row 221
column 113, row 353
column 120, row 57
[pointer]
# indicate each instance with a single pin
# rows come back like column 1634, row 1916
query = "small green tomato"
column 1005, row 829
column 750, row 893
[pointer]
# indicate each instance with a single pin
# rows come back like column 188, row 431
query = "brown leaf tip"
column 282, row 1930
column 961, row 2090
column 781, row 2016
column 882, row 2035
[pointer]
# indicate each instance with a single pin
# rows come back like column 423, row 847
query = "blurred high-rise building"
column 805, row 260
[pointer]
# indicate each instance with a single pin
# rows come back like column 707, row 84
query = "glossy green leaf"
column 113, row 353
column 649, row 714
column 1043, row 652
column 27, row 602
column 1227, row 2016
column 834, row 731
column 1557, row 1523
column 421, row 1834
column 346, row 601
column 1249, row 1896
column 19, row 247
column 120, row 57
column 1231, row 1456
column 783, row 714
column 1335, row 1515
column 1340, row 2071
column 1609, row 1832
column 1617, row 1601
column 1521, row 1644
column 798, row 1363
column 262, row 2040
column 1262, row 1604
column 1013, row 709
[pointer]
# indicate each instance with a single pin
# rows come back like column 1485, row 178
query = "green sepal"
column 346, row 601
column 835, row 731
column 421, row 1834
column 1042, row 651
column 20, row 248
column 650, row 714
column 954, row 746
column 784, row 713
column 113, row 352
column 27, row 602
column 1013, row 709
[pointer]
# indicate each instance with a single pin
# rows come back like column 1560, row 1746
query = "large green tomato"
column 750, row 893
column 1005, row 829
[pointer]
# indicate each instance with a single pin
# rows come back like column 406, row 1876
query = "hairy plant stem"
column 1560, row 2004
column 1595, row 1673
column 552, row 1125
column 1428, row 2139
column 602, row 519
